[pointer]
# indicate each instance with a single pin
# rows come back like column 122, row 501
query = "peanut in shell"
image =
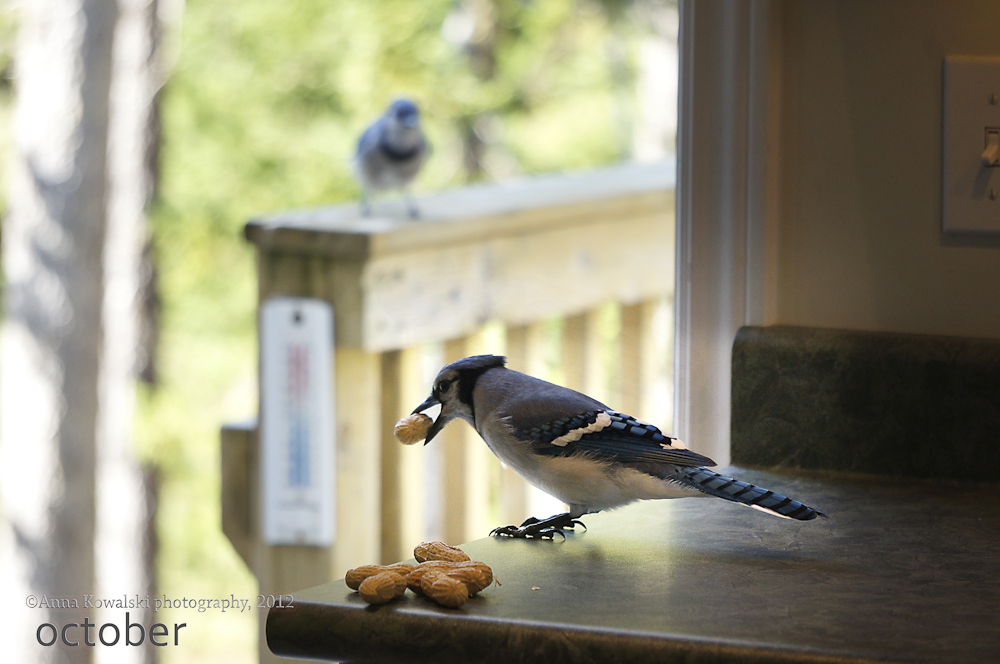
column 382, row 587
column 412, row 429
column 356, row 575
column 444, row 590
column 438, row 551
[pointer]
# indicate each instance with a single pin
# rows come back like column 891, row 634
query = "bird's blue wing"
column 611, row 435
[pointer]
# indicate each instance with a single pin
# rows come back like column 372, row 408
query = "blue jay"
column 577, row 449
column 390, row 153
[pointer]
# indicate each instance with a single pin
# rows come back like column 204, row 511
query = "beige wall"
column 860, row 241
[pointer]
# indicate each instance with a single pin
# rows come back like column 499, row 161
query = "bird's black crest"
column 477, row 363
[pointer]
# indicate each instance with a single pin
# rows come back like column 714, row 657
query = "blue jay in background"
column 390, row 153
column 579, row 450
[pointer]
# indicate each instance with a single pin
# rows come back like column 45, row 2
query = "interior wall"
column 860, row 243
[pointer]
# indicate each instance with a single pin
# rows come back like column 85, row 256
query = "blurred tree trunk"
column 124, row 504
column 53, row 244
column 655, row 127
column 481, row 51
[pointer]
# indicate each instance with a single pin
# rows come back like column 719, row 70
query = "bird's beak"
column 438, row 423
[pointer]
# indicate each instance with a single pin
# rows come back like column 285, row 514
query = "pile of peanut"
column 443, row 573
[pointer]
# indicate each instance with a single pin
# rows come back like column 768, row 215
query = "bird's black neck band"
column 398, row 155
column 465, row 387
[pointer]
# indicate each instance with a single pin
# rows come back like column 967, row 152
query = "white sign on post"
column 296, row 430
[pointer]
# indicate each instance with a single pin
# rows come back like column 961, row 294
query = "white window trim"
column 727, row 202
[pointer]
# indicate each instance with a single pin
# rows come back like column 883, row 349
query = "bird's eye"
column 445, row 384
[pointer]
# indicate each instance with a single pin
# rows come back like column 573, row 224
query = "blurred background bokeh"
column 258, row 106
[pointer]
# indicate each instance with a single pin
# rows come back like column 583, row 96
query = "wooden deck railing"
column 569, row 276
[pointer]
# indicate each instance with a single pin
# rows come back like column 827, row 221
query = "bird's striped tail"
column 747, row 494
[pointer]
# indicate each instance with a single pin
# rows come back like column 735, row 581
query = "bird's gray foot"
column 533, row 528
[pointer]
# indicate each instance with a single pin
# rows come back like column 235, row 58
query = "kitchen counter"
column 901, row 571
